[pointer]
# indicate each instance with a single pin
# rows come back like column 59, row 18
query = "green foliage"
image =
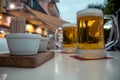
column 99, row 6
column 109, row 7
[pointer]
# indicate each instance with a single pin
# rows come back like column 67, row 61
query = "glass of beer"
column 90, row 33
column 69, row 32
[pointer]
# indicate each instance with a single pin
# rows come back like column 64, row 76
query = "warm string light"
column 0, row 16
column 45, row 32
column 29, row 28
column 12, row 6
column 39, row 30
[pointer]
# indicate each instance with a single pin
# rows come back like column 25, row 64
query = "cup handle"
column 112, row 43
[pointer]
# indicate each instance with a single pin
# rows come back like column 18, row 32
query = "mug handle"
column 112, row 43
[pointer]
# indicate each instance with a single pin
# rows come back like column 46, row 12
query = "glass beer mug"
column 69, row 38
column 90, row 34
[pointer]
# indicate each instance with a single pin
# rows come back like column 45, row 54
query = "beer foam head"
column 90, row 12
column 69, row 25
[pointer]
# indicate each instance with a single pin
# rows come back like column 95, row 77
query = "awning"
column 57, row 22
column 32, row 19
column 39, row 19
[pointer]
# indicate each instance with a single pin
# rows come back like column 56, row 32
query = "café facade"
column 42, row 16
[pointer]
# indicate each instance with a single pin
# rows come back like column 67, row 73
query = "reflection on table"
column 64, row 67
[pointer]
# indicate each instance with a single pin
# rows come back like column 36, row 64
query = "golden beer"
column 69, row 32
column 69, row 36
column 90, row 33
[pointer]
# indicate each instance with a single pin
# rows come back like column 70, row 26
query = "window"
column 25, row 1
column 31, row 3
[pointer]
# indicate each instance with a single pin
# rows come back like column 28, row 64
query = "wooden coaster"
column 7, row 60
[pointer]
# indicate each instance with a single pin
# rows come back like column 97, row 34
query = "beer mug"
column 69, row 37
column 90, row 34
